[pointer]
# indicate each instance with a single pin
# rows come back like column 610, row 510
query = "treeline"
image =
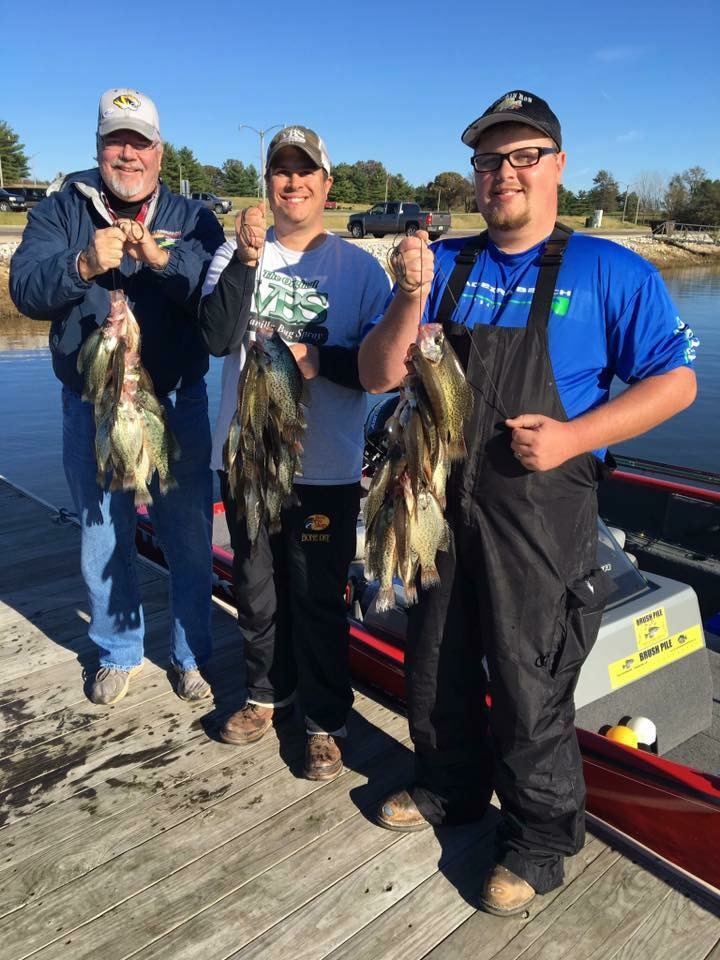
column 690, row 197
column 366, row 181
column 687, row 197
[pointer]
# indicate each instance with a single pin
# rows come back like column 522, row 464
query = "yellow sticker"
column 640, row 663
column 650, row 628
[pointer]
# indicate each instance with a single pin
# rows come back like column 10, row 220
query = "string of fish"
column 404, row 510
column 132, row 436
column 263, row 450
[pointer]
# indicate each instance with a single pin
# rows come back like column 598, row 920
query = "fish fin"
column 385, row 599
column 429, row 577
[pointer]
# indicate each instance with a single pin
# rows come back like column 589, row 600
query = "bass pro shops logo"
column 312, row 527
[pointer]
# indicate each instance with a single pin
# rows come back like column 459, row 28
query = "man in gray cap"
column 320, row 293
column 118, row 227
column 542, row 320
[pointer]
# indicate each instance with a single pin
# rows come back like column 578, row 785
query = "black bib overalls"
column 520, row 588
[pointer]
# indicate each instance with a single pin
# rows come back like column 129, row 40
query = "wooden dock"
column 131, row 831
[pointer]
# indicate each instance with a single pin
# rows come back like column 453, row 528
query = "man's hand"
column 412, row 264
column 104, row 253
column 307, row 357
column 541, row 443
column 140, row 244
column 250, row 230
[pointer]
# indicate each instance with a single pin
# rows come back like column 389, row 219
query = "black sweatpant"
column 291, row 606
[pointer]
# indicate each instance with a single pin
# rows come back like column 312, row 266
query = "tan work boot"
column 399, row 812
column 323, row 759
column 251, row 722
column 111, row 684
column 190, row 684
column 504, row 893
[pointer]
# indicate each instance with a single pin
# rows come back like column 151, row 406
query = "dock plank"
column 110, row 912
column 131, row 831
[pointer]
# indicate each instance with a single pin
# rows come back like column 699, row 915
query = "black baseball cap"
column 518, row 106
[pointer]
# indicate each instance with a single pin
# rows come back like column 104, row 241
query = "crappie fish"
column 424, row 436
column 132, row 437
column 262, row 453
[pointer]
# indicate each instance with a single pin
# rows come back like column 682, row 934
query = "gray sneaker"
column 190, row 684
column 111, row 685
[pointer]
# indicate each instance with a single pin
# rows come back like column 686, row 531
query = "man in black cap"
column 542, row 320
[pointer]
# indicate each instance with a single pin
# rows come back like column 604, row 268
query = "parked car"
column 12, row 199
column 398, row 217
column 31, row 195
column 331, row 204
column 218, row 204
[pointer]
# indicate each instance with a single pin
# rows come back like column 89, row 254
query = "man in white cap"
column 118, row 227
column 542, row 320
column 321, row 294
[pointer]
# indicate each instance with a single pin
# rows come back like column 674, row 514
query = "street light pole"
column 261, row 134
column 32, row 167
column 627, row 188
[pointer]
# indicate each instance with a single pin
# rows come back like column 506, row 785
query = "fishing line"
column 247, row 235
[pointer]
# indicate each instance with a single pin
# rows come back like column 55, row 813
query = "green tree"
column 170, row 168
column 15, row 165
column 375, row 178
column 567, row 201
column 705, row 202
column 450, row 190
column 605, row 192
column 344, row 188
column 215, row 176
column 193, row 170
column 239, row 180
column 399, row 188
column 677, row 197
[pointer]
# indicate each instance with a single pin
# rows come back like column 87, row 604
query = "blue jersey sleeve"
column 648, row 337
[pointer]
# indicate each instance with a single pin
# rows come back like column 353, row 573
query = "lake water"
column 30, row 420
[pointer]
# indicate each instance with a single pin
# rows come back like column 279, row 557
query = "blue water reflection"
column 30, row 423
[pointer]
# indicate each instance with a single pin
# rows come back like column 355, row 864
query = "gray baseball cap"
column 304, row 139
column 124, row 109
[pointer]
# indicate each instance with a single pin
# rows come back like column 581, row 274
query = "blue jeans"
column 183, row 522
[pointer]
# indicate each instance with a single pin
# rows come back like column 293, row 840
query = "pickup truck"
column 218, row 204
column 397, row 217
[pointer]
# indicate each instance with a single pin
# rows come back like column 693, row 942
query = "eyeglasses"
column 116, row 141
column 524, row 157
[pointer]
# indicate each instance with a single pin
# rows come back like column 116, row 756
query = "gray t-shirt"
column 326, row 296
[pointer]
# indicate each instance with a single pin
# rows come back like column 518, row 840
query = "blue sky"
column 635, row 83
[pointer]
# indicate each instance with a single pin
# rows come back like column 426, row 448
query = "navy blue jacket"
column 45, row 284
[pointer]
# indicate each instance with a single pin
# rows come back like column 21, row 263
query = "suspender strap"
column 464, row 263
column 544, row 288
column 547, row 275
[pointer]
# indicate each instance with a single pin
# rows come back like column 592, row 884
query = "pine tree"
column 15, row 165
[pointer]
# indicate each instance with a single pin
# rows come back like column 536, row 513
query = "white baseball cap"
column 124, row 109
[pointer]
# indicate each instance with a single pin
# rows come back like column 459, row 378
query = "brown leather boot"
column 400, row 813
column 323, row 759
column 251, row 722
column 504, row 893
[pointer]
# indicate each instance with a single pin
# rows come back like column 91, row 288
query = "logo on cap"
column 126, row 101
column 513, row 102
column 291, row 135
